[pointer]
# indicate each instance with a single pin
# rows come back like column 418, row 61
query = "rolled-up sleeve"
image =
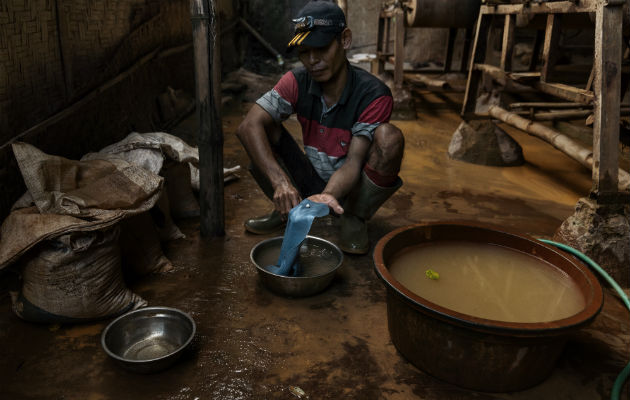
column 377, row 112
column 275, row 105
column 280, row 101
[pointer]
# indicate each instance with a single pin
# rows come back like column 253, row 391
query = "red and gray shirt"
column 365, row 103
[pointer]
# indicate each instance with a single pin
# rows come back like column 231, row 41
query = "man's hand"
column 329, row 200
column 285, row 197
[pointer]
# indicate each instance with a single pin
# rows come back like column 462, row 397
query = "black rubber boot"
column 360, row 205
column 265, row 224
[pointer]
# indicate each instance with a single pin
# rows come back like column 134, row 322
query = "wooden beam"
column 607, row 88
column 210, row 132
column 566, row 92
column 555, row 7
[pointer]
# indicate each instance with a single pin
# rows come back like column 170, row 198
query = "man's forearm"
column 256, row 143
column 342, row 181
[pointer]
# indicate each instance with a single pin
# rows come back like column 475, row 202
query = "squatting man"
column 351, row 156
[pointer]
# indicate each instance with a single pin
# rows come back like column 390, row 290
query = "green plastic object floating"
column 431, row 274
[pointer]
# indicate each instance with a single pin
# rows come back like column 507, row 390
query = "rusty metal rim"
column 594, row 299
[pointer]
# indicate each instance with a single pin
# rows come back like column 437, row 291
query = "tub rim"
column 593, row 299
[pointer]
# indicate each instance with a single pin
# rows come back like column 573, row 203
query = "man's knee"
column 388, row 147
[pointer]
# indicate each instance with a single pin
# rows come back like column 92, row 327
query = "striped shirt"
column 365, row 103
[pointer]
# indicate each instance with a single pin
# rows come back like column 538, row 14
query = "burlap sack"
column 71, row 196
column 75, row 277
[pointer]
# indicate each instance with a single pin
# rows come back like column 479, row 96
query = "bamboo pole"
column 262, row 41
column 569, row 115
column 431, row 83
column 536, row 104
column 556, row 139
column 210, row 133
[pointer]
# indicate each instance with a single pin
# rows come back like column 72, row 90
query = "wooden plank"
column 525, row 77
column 607, row 88
column 210, row 131
column 556, row 7
column 503, row 77
column 566, row 92
column 508, row 42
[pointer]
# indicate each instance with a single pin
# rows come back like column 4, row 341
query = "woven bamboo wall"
column 55, row 54
column 54, row 51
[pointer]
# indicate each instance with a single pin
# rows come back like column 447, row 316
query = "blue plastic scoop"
column 299, row 224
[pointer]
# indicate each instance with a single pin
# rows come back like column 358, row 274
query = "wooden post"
column 343, row 4
column 478, row 57
column 538, row 41
column 388, row 29
column 450, row 43
column 378, row 65
column 607, row 88
column 463, row 66
column 550, row 48
column 508, row 42
column 399, row 49
column 210, row 133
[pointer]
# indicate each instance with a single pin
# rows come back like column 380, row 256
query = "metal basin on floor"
column 471, row 352
column 320, row 259
column 149, row 339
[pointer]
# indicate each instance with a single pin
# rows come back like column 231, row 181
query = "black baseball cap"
column 317, row 23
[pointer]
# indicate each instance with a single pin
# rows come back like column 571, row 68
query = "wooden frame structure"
column 602, row 91
column 394, row 19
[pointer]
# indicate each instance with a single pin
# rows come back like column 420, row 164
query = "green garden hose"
column 623, row 375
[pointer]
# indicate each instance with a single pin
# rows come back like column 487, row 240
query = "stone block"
column 483, row 143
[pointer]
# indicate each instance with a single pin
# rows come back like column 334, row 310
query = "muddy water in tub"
column 487, row 281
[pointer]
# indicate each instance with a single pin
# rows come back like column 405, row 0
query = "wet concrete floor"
column 253, row 344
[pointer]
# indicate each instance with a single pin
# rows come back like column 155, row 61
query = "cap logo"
column 307, row 23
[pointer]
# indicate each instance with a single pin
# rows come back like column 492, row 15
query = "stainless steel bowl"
column 320, row 260
column 148, row 339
